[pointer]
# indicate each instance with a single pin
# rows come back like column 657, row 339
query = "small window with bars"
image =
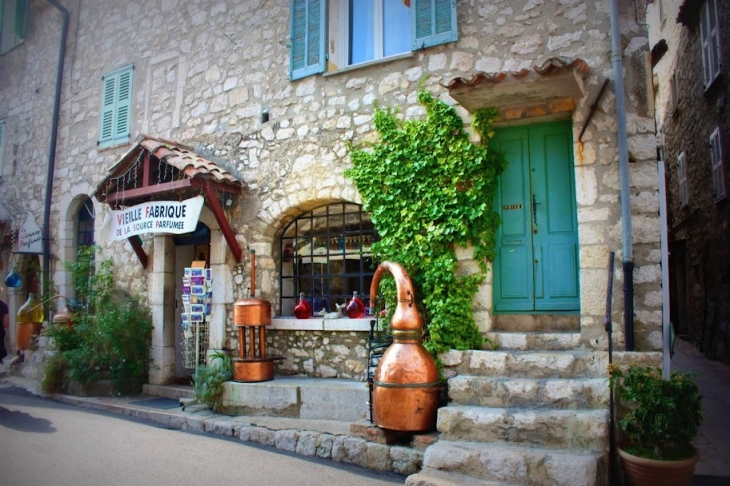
column 325, row 254
column 682, row 179
column 718, row 172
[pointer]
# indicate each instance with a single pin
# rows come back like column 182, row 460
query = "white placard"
column 29, row 236
column 154, row 217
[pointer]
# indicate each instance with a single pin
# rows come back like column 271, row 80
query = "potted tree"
column 660, row 420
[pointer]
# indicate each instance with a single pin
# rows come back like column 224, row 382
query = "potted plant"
column 660, row 420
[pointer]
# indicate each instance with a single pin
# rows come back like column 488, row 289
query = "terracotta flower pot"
column 640, row 471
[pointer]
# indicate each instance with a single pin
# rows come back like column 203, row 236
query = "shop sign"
column 153, row 217
column 29, row 236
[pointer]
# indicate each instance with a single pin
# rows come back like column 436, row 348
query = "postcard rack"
column 196, row 298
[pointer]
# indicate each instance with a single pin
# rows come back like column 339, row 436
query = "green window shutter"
column 116, row 104
column 433, row 22
column 122, row 123
column 21, row 18
column 308, row 35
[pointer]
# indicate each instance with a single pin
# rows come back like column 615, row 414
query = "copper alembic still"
column 406, row 385
column 251, row 315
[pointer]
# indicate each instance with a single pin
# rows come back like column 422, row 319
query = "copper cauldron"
column 406, row 385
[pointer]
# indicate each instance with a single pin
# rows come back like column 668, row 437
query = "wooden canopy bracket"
column 136, row 243
column 212, row 200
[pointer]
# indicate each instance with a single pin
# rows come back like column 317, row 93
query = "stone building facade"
column 215, row 76
column 692, row 118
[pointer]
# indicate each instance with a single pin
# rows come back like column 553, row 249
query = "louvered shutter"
column 106, row 129
column 718, row 174
column 709, row 42
column 682, row 177
column 116, row 106
column 124, row 106
column 433, row 22
column 21, row 18
column 308, row 34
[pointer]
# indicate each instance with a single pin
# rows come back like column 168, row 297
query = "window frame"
column 336, row 235
column 682, row 180
column 433, row 22
column 18, row 24
column 115, row 117
column 719, row 190
column 710, row 43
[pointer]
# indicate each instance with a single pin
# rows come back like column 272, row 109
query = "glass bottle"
column 302, row 310
column 355, row 309
column 12, row 279
column 29, row 321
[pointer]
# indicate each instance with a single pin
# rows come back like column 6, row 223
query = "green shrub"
column 111, row 333
column 663, row 416
column 54, row 379
column 209, row 380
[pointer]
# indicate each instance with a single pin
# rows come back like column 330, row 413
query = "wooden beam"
column 212, row 200
column 136, row 243
column 165, row 187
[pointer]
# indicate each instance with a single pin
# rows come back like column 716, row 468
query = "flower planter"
column 639, row 471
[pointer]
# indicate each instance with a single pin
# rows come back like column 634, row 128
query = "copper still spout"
column 406, row 384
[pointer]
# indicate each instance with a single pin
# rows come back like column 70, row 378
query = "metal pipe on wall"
column 623, row 157
column 52, row 148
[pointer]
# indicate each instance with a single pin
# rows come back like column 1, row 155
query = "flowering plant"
column 663, row 416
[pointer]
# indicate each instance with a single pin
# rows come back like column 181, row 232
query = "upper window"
column 718, row 174
column 325, row 254
column 116, row 104
column 13, row 23
column 359, row 31
column 710, row 42
column 682, row 177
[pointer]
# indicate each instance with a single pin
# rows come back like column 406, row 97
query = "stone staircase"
column 534, row 412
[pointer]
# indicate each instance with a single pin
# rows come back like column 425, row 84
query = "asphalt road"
column 43, row 442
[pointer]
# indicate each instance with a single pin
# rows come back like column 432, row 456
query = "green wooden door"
column 536, row 268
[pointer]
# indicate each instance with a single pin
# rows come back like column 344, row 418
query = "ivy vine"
column 429, row 190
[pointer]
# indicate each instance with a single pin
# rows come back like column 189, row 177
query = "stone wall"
column 205, row 72
column 700, row 268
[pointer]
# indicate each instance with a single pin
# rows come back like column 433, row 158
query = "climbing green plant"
column 429, row 190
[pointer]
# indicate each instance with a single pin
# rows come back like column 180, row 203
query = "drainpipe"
column 54, row 138
column 623, row 157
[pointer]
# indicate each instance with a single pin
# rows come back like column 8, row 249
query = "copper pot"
column 252, row 311
column 406, row 385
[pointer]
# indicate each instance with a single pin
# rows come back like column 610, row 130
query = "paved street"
column 43, row 442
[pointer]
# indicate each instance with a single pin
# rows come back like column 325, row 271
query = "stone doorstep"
column 372, row 433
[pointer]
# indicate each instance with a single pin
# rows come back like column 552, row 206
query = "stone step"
column 585, row 430
column 303, row 398
column 536, row 322
column 517, row 465
column 175, row 392
column 434, row 477
column 542, row 341
column 556, row 393
column 527, row 364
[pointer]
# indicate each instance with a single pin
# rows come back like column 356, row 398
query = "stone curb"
column 301, row 440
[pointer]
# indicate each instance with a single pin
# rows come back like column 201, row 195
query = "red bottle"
column 302, row 310
column 355, row 309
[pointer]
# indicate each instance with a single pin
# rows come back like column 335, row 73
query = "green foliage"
column 209, row 380
column 663, row 415
column 429, row 189
column 54, row 379
column 111, row 332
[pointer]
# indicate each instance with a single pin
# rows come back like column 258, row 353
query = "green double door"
column 536, row 268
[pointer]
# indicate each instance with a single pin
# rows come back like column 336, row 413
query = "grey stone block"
column 286, row 440
column 307, row 443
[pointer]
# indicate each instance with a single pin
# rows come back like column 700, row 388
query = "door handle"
column 534, row 209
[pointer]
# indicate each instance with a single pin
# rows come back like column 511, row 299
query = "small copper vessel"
column 406, row 385
column 251, row 315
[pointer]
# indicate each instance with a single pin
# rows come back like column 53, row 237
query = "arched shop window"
column 85, row 224
column 325, row 253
